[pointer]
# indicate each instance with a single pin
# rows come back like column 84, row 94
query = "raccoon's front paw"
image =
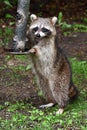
column 60, row 111
column 46, row 105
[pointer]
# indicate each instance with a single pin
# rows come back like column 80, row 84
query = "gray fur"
column 50, row 65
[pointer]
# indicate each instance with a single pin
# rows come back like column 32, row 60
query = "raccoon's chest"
column 44, row 61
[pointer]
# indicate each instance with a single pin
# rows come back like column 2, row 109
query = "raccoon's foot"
column 60, row 111
column 46, row 105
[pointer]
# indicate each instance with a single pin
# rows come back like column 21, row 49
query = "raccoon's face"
column 42, row 27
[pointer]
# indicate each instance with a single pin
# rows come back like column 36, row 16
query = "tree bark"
column 19, row 39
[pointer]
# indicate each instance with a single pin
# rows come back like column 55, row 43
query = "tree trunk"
column 19, row 39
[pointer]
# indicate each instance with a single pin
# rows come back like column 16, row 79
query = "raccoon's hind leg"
column 73, row 94
column 46, row 105
column 60, row 111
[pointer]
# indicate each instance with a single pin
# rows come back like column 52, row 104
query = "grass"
column 68, row 29
column 6, row 35
column 24, row 116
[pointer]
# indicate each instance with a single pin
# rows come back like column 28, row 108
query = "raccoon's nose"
column 37, row 35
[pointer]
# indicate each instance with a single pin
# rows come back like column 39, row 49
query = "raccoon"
column 49, row 63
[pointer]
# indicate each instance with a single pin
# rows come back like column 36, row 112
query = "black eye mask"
column 46, row 31
column 34, row 29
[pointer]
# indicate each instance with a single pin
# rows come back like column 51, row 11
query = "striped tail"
column 73, row 92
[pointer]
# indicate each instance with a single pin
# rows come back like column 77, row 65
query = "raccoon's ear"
column 54, row 20
column 33, row 17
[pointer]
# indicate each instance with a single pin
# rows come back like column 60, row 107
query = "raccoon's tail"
column 73, row 93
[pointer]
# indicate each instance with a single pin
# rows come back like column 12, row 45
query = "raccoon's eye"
column 45, row 30
column 35, row 29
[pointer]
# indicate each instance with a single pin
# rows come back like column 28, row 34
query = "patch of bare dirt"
column 75, row 45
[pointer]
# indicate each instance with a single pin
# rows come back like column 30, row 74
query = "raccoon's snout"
column 37, row 35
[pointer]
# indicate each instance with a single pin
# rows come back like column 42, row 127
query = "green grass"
column 79, row 69
column 68, row 29
column 6, row 35
column 24, row 116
